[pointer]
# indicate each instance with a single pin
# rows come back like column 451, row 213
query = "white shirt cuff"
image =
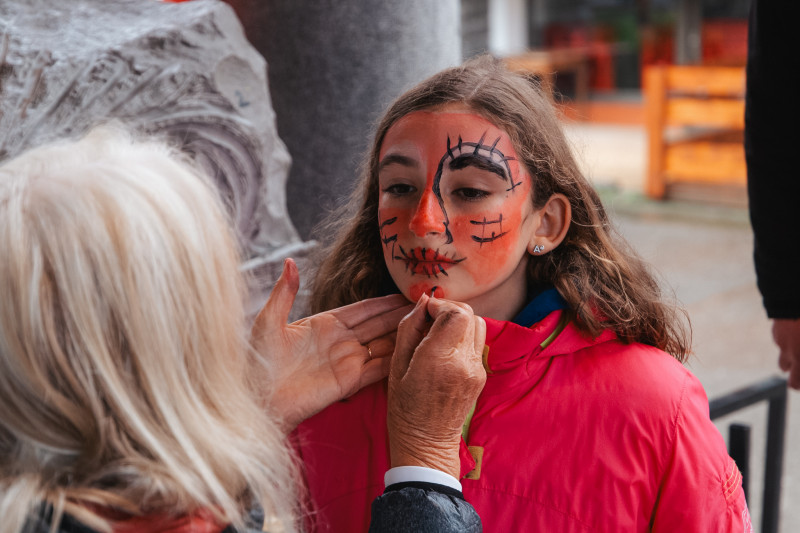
column 403, row 474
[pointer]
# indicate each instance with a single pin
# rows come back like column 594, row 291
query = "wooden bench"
column 695, row 129
column 546, row 64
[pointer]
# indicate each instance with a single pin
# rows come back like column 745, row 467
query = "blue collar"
column 544, row 303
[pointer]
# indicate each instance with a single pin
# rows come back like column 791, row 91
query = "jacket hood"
column 514, row 348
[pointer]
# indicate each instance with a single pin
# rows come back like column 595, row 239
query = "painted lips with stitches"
column 427, row 261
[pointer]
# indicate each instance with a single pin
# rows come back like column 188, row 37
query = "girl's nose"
column 429, row 217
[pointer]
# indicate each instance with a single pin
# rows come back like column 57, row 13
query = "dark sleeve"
column 425, row 508
column 772, row 146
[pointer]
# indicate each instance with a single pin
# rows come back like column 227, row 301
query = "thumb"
column 281, row 298
column 410, row 333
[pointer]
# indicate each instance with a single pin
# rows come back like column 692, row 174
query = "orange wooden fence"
column 695, row 130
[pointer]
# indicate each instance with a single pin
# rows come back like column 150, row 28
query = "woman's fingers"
column 479, row 338
column 380, row 325
column 281, row 298
column 356, row 313
column 453, row 325
column 382, row 346
column 410, row 333
column 373, row 318
column 374, row 370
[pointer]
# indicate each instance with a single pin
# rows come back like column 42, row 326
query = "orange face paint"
column 455, row 211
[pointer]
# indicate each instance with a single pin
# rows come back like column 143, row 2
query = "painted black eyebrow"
column 480, row 162
column 397, row 159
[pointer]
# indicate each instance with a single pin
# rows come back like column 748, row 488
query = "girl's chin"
column 427, row 287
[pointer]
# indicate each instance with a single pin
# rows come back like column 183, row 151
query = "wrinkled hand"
column 434, row 381
column 325, row 357
column 786, row 333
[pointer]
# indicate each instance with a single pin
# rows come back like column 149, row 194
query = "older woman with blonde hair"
column 132, row 396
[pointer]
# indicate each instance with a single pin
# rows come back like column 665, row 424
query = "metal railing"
column 773, row 391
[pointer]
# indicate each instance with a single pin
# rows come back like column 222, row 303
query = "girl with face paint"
column 454, row 211
column 588, row 420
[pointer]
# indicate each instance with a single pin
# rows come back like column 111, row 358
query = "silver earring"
column 538, row 249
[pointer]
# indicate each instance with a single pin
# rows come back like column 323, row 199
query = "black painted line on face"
column 514, row 186
column 479, row 144
column 437, row 178
column 478, row 161
column 484, row 223
column 388, row 222
column 495, row 161
column 390, row 239
column 492, row 238
column 413, row 258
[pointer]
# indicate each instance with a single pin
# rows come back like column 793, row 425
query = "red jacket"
column 583, row 435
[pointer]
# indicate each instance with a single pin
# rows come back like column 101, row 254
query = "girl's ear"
column 553, row 222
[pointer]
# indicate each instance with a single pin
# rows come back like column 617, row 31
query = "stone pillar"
column 185, row 71
column 509, row 24
column 474, row 27
column 688, row 33
column 334, row 65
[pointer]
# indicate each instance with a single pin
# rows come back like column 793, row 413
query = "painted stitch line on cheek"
column 390, row 239
column 484, row 223
column 388, row 222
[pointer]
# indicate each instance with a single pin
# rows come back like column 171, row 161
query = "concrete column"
column 688, row 32
column 334, row 65
column 539, row 19
column 474, row 27
column 508, row 27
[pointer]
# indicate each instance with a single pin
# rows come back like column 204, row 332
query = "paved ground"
column 703, row 254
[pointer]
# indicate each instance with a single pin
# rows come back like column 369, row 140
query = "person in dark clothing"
column 771, row 122
column 132, row 397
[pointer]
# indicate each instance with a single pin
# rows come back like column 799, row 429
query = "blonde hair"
column 126, row 380
column 602, row 279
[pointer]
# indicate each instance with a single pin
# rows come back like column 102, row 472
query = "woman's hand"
column 325, row 357
column 786, row 333
column 436, row 376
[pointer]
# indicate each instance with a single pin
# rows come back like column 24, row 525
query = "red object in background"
column 602, row 58
column 657, row 45
column 597, row 41
column 724, row 42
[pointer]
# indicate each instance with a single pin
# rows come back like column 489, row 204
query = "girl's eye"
column 400, row 189
column 469, row 194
